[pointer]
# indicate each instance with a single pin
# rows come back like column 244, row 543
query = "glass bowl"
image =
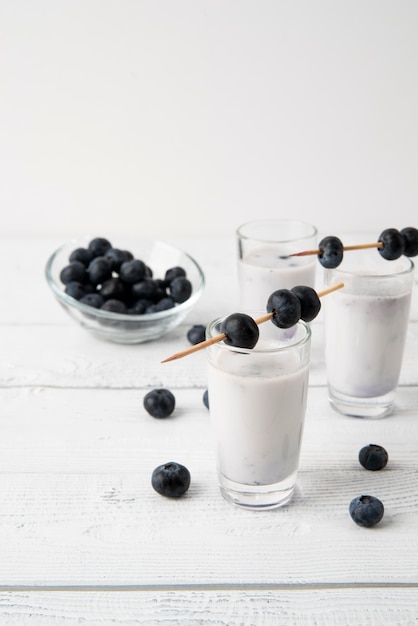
column 128, row 328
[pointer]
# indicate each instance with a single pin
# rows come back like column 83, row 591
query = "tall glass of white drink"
column 365, row 330
column 257, row 401
column 264, row 264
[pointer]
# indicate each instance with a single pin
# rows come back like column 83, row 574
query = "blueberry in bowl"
column 124, row 290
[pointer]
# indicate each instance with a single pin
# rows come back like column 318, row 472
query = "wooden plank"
column 269, row 607
column 112, row 530
column 77, row 506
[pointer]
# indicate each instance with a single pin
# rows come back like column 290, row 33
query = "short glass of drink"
column 366, row 324
column 264, row 264
column 257, row 400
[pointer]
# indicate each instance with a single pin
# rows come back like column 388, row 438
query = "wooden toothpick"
column 260, row 320
column 358, row 246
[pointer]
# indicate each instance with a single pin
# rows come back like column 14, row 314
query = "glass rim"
column 265, row 222
column 277, row 349
column 358, row 274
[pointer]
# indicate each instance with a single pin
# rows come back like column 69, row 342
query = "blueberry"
column 99, row 246
column 171, row 479
column 132, row 271
column 174, row 272
column 162, row 305
column 113, row 288
column 196, row 334
column 148, row 289
column 82, row 255
column 139, row 306
column 205, row 398
column 75, row 289
column 99, row 270
column 410, row 240
column 373, row 457
column 331, row 252
column 366, row 510
column 286, row 308
column 241, row 330
column 114, row 306
column 92, row 299
column 393, row 244
column 310, row 304
column 116, row 257
column 159, row 402
column 180, row 289
column 75, row 271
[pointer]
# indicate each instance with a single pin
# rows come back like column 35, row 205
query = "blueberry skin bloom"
column 171, row 480
column 393, row 244
column 366, row 511
column 331, row 252
column 241, row 331
column 159, row 403
column 373, row 457
column 286, row 308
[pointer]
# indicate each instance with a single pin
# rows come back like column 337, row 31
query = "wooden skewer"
column 260, row 320
column 358, row 246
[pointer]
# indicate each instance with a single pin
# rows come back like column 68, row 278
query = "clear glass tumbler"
column 264, row 264
column 365, row 330
column 257, row 402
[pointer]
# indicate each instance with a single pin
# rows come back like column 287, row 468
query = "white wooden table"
column 85, row 539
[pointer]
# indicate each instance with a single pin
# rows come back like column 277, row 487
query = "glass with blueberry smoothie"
column 264, row 264
column 257, row 399
column 365, row 330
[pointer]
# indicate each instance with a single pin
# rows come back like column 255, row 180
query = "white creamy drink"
column 365, row 342
column 269, row 268
column 257, row 401
column 366, row 323
column 258, row 416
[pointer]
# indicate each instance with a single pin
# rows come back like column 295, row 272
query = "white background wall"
column 181, row 117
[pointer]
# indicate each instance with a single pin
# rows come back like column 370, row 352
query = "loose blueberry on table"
column 366, row 510
column 196, row 334
column 159, row 403
column 171, row 480
column 373, row 457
